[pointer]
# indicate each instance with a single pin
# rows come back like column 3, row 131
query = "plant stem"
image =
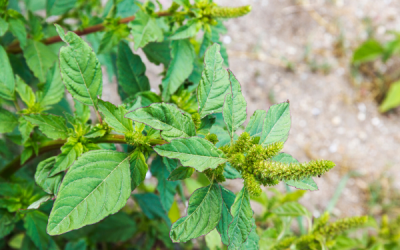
column 15, row 46
column 15, row 164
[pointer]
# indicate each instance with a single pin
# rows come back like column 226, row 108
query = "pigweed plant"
column 189, row 129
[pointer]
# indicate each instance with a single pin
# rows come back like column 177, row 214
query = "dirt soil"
column 331, row 117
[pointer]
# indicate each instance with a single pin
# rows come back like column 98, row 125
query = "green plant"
column 386, row 83
column 189, row 129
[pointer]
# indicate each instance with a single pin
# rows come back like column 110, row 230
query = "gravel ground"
column 331, row 118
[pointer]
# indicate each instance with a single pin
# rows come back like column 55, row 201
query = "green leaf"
column 80, row 69
column 252, row 242
column 82, row 112
column 114, row 116
column 223, row 136
column 213, row 240
column 207, row 42
column 51, row 125
column 59, row 7
column 35, row 224
column 76, row 245
column 70, row 151
column 145, row 29
column 7, row 81
column 292, row 209
column 167, row 189
column 181, row 173
column 38, row 203
column 3, row 26
column 256, row 123
column 186, row 31
column 49, row 184
column 108, row 41
column 392, row 98
column 203, row 214
column 7, row 222
column 276, row 124
column 138, row 168
column 368, row 51
column 151, row 206
column 158, row 53
column 118, row 227
column 205, row 125
column 242, row 223
column 25, row 92
column 185, row 3
column 234, row 110
column 25, row 128
column 231, row 173
column 228, row 198
column 180, row 67
column 214, row 83
column 131, row 71
column 53, row 90
column 39, row 58
column 8, row 121
column 166, row 117
column 305, row 184
column 193, row 152
column 100, row 186
column 17, row 28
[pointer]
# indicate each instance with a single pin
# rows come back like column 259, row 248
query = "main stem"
column 15, row 46
column 15, row 164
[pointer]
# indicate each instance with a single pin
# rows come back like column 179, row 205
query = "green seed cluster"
column 292, row 171
column 213, row 138
column 217, row 174
column 229, row 12
column 285, row 243
column 390, row 230
column 342, row 225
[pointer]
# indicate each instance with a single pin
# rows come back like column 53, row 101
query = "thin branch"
column 15, row 48
column 15, row 164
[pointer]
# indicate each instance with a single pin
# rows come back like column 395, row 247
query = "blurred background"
column 303, row 51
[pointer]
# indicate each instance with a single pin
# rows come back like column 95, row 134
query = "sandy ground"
column 329, row 119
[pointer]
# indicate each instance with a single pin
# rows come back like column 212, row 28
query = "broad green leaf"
column 7, row 222
column 392, row 98
column 186, row 31
column 95, row 186
column 80, row 69
column 203, row 214
column 131, row 71
column 35, row 224
column 114, row 116
column 118, row 227
column 25, row 128
column 17, row 28
column 25, row 92
column 3, row 26
column 305, row 184
column 8, row 121
column 193, row 152
column 7, row 81
column 138, row 168
column 145, row 29
column 53, row 90
column 82, row 112
column 151, row 206
column 39, row 58
column 252, row 242
column 167, row 118
column 166, row 189
column 17, row 242
column 26, row 154
column 158, row 53
column 231, row 173
column 228, row 198
column 214, row 83
column 180, row 67
column 223, row 136
column 205, row 125
column 234, row 110
column 206, row 42
column 242, row 223
column 49, row 184
column 51, row 125
column 213, row 240
column 368, row 51
column 59, row 7
column 292, row 209
column 38, row 203
column 276, row 124
column 181, row 173
column 70, row 151
column 171, row 164
column 256, row 123
column 108, row 41
column 185, row 3
column 76, row 245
